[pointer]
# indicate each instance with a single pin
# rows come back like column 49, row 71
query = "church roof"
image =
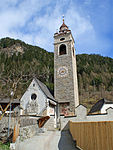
column 63, row 30
column 44, row 89
column 97, row 107
column 64, row 27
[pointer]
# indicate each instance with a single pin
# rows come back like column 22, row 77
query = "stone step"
column 49, row 125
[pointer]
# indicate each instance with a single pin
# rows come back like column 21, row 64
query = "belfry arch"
column 62, row 49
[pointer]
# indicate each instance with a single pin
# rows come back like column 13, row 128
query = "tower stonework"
column 65, row 71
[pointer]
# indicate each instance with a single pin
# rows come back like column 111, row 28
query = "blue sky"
column 36, row 21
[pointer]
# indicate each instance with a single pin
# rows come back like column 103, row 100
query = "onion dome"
column 63, row 27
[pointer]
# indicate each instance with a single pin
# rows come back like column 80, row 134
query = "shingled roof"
column 44, row 89
column 7, row 100
column 97, row 107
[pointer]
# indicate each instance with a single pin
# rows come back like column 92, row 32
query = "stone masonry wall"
column 81, row 116
column 28, row 127
column 65, row 87
column 27, row 121
column 28, row 132
column 4, row 123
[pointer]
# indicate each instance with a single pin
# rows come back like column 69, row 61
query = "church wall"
column 66, row 93
column 40, row 99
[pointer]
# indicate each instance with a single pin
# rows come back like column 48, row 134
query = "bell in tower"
column 65, row 71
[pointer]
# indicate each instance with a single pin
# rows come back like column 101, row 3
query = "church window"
column 62, row 39
column 33, row 84
column 62, row 49
column 33, row 96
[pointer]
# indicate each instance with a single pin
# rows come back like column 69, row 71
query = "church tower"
column 65, row 71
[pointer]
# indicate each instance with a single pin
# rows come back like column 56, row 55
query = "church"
column 37, row 99
column 65, row 71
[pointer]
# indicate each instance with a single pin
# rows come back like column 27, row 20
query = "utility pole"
column 9, row 120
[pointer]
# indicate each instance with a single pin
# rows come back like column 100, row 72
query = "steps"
column 50, row 124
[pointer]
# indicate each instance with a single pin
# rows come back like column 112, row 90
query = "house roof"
column 7, row 100
column 44, row 89
column 97, row 107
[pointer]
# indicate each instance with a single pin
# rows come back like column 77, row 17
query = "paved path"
column 50, row 140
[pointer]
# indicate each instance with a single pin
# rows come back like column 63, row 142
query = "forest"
column 20, row 62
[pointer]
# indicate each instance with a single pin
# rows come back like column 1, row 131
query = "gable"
column 33, row 93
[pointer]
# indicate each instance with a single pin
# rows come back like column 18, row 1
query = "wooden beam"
column 1, row 108
column 5, row 110
column 42, row 121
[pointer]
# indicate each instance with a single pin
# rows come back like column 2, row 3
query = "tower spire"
column 63, row 18
column 63, row 27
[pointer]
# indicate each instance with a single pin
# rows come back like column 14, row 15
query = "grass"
column 4, row 146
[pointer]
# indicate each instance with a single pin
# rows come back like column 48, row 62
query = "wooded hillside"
column 20, row 62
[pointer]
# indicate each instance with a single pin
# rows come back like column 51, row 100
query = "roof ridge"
column 45, row 89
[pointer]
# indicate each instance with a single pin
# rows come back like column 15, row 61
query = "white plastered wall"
column 105, row 107
column 41, row 97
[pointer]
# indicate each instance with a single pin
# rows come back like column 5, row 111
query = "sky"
column 36, row 21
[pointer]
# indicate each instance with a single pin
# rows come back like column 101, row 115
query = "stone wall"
column 81, row 116
column 28, row 132
column 28, row 127
column 4, row 122
column 27, row 121
column 65, row 86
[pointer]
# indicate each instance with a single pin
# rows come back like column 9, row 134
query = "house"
column 5, row 101
column 37, row 100
column 101, row 106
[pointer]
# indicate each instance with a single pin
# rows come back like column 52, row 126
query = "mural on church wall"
column 64, row 109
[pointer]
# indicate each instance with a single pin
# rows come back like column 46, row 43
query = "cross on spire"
column 63, row 18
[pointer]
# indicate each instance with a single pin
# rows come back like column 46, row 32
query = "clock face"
column 62, row 71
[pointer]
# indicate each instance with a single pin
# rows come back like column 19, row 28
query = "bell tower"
column 65, row 71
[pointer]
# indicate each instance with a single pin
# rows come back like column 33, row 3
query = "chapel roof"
column 44, row 89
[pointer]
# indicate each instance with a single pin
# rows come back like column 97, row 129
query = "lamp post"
column 12, row 94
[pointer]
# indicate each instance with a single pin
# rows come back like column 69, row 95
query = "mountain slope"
column 20, row 62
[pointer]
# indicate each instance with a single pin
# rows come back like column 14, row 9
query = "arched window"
column 62, row 49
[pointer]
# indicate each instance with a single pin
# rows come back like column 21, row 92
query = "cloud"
column 15, row 16
column 36, row 21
